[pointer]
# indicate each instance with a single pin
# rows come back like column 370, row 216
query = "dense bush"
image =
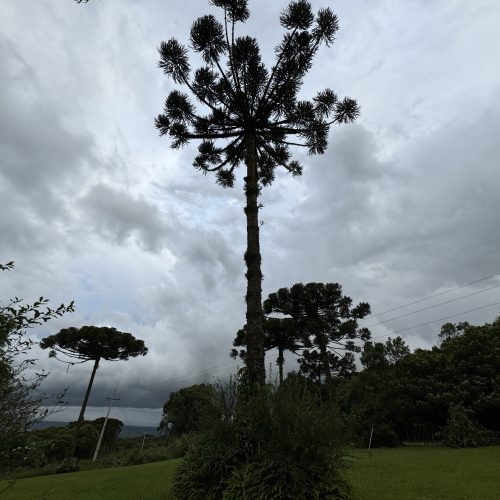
column 462, row 432
column 413, row 394
column 26, row 454
column 281, row 444
column 67, row 465
column 33, row 449
column 129, row 451
column 191, row 409
column 54, row 441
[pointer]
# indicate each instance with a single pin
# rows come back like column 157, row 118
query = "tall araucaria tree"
column 251, row 115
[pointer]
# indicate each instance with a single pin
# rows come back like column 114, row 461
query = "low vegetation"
column 413, row 473
column 426, row 473
column 280, row 442
column 141, row 482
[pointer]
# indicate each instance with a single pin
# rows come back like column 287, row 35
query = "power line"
column 217, row 368
column 212, row 370
column 432, row 307
column 436, row 294
column 436, row 320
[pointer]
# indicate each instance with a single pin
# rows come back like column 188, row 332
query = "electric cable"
column 432, row 307
column 436, row 294
column 436, row 320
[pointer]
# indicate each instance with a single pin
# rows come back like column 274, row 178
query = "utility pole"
column 115, row 398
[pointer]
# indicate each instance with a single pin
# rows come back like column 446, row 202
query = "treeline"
column 36, row 448
column 449, row 394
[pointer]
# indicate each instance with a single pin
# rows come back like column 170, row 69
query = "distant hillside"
column 127, row 431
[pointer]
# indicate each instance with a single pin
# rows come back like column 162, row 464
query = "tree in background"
column 451, row 330
column 450, row 392
column 251, row 115
column 191, row 409
column 473, row 359
column 20, row 401
column 372, row 399
column 113, row 428
column 86, row 447
column 380, row 354
column 93, row 343
column 327, row 322
column 279, row 333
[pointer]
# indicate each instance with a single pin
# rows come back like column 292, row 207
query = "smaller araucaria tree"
column 279, row 333
column 93, row 343
column 327, row 322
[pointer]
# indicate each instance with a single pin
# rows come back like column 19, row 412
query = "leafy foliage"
column 449, row 392
column 20, row 400
column 282, row 444
column 462, row 432
column 192, row 409
column 38, row 447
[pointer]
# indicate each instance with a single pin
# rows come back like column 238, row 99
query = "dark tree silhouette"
column 191, row 409
column 93, row 343
column 251, row 115
column 328, row 323
column 279, row 333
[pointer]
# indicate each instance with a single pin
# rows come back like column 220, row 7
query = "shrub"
column 202, row 474
column 462, row 432
column 88, row 436
column 282, row 444
column 384, row 436
column 54, row 441
column 282, row 478
column 178, row 447
column 28, row 454
column 67, row 465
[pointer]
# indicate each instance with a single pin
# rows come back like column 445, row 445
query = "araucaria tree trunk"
column 87, row 394
column 255, row 336
column 76, row 431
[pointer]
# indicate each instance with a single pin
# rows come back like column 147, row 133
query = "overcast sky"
column 96, row 208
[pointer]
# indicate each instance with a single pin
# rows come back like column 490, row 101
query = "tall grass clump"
column 280, row 443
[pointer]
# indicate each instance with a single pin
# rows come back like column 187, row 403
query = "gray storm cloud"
column 96, row 208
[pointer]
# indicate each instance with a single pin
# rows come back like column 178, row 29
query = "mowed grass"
column 426, row 473
column 136, row 482
column 416, row 473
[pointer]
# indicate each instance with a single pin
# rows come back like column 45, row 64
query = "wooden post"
column 371, row 435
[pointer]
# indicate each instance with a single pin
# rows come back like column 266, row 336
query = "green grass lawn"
column 416, row 473
column 136, row 482
column 425, row 473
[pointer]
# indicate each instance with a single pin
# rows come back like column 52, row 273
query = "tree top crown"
column 93, row 343
column 242, row 97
